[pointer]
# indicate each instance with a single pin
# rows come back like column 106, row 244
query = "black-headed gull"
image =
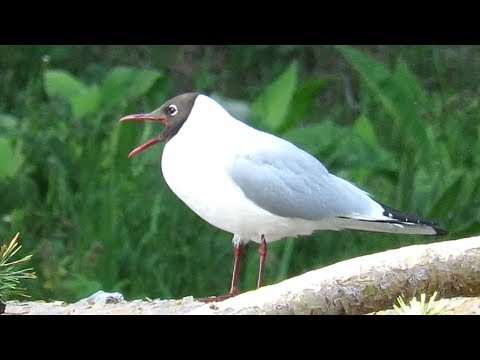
column 258, row 186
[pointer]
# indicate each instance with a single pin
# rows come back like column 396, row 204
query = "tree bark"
column 368, row 283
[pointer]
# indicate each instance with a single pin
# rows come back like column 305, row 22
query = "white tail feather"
column 386, row 227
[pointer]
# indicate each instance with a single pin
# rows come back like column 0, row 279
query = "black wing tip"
column 440, row 231
column 410, row 218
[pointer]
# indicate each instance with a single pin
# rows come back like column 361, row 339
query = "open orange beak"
column 145, row 117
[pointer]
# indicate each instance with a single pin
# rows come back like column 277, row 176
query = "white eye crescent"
column 172, row 110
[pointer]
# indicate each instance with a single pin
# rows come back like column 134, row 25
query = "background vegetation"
column 399, row 121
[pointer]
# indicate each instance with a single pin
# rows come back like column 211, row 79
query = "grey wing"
column 289, row 182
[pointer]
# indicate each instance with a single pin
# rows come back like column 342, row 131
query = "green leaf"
column 451, row 189
column 302, row 102
column 376, row 76
column 414, row 88
column 317, row 139
column 117, row 84
column 373, row 72
column 10, row 159
column 330, row 143
column 144, row 80
column 273, row 104
column 124, row 82
column 7, row 121
column 86, row 102
column 406, row 98
column 353, row 152
column 62, row 84
column 398, row 92
column 364, row 128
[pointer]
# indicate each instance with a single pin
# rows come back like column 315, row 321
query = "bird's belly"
column 212, row 195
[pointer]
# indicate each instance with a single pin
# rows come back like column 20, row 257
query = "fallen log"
column 366, row 284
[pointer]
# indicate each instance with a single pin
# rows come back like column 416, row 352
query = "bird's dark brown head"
column 172, row 114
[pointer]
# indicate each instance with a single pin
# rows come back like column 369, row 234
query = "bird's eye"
column 172, row 110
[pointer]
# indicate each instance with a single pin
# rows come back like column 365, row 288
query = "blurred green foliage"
column 401, row 122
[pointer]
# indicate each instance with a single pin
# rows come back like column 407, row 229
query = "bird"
column 257, row 186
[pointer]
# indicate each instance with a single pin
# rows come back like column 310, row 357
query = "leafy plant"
column 274, row 103
column 120, row 84
column 399, row 93
column 11, row 271
column 284, row 101
column 428, row 162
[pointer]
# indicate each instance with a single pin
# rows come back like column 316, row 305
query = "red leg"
column 262, row 250
column 237, row 255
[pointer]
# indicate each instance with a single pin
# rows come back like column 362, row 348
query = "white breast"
column 195, row 166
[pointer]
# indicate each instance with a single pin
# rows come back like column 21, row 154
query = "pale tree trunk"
column 368, row 283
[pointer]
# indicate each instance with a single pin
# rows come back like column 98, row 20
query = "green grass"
column 401, row 122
